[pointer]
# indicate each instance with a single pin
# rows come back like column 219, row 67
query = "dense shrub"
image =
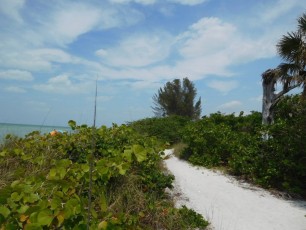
column 168, row 129
column 272, row 156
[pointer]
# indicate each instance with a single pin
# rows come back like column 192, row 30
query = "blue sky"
column 52, row 52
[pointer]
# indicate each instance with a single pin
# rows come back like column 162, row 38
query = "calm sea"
column 22, row 130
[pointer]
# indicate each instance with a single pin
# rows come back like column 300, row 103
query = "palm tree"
column 292, row 48
column 291, row 74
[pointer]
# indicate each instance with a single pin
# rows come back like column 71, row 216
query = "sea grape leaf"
column 15, row 196
column 128, row 154
column 140, row 152
column 85, row 167
column 45, row 217
column 52, row 174
column 55, row 203
column 122, row 170
column 63, row 163
column 4, row 211
column 102, row 225
column 23, row 209
column 31, row 198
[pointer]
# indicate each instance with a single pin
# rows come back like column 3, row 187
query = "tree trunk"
column 270, row 99
column 268, row 85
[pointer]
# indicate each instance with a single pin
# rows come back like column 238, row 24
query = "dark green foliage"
column 272, row 156
column 168, row 129
column 177, row 99
column 192, row 219
column 213, row 140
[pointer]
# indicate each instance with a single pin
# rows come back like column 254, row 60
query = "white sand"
column 231, row 205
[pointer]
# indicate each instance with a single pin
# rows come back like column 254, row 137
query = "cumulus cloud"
column 149, row 2
column 12, row 9
column 144, row 2
column 69, row 23
column 15, row 74
column 62, row 84
column 231, row 106
column 188, row 2
column 137, row 50
column 223, row 86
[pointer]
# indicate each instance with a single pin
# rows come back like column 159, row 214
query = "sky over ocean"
column 52, row 53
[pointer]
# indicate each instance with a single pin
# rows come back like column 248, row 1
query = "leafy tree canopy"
column 177, row 98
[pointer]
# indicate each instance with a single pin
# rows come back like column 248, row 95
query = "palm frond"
column 289, row 47
column 302, row 24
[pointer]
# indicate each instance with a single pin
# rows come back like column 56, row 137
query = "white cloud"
column 144, row 2
column 231, row 106
column 137, row 50
column 223, row 86
column 62, row 84
column 205, row 37
column 11, row 9
column 66, row 24
column 15, row 74
column 278, row 9
column 149, row 2
column 188, row 2
column 15, row 89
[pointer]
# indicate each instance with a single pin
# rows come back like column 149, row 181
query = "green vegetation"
column 44, row 182
column 272, row 156
column 168, row 129
column 177, row 99
column 289, row 75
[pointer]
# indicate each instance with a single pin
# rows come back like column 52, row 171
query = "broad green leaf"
column 45, row 217
column 52, row 174
column 102, row 225
column 85, row 167
column 140, row 152
column 128, row 154
column 63, row 163
column 3, row 153
column 4, row 211
column 62, row 172
column 33, row 217
column 16, row 197
column 122, row 170
column 31, row 198
column 23, row 209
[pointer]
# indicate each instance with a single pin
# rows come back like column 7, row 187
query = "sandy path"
column 231, row 205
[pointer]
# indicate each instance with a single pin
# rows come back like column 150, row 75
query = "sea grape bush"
column 168, row 129
column 45, row 182
column 272, row 156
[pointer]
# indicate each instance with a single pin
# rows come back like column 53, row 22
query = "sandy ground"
column 232, row 205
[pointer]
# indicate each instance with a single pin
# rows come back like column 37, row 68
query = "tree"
column 291, row 74
column 292, row 48
column 270, row 98
column 177, row 99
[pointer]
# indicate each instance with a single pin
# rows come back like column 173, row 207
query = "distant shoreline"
column 59, row 126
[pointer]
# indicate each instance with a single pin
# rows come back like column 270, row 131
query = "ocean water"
column 22, row 130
